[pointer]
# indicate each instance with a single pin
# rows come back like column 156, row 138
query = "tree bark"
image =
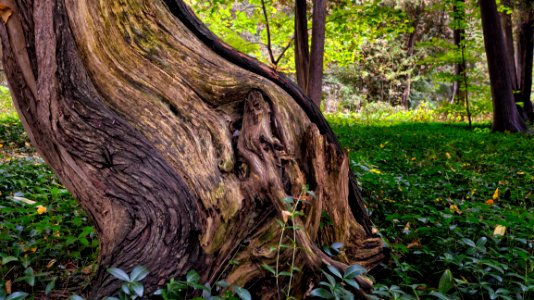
column 180, row 149
column 525, row 47
column 302, row 48
column 505, row 114
column 309, row 62
column 459, row 95
column 315, row 86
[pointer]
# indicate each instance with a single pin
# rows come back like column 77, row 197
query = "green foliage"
column 431, row 189
column 46, row 238
column 6, row 105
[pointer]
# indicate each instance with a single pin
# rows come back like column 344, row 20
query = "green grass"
column 427, row 186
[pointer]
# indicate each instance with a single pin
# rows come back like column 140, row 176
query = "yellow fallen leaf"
column 455, row 209
column 41, row 209
column 5, row 12
column 33, row 249
column 520, row 173
column 496, row 194
column 285, row 215
column 499, row 230
column 448, row 155
column 414, row 158
column 375, row 171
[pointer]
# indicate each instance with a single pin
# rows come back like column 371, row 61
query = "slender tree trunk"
column 302, row 51
column 505, row 114
column 315, row 86
column 459, row 94
column 410, row 46
column 525, row 47
column 507, row 33
column 180, row 149
column 309, row 62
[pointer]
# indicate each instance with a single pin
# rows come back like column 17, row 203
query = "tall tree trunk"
column 505, row 114
column 180, row 149
column 508, row 35
column 410, row 45
column 525, row 47
column 309, row 62
column 302, row 51
column 459, row 94
column 315, row 86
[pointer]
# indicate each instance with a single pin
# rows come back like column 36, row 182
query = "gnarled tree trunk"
column 180, row 149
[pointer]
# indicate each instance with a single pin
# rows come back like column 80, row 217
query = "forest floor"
column 454, row 205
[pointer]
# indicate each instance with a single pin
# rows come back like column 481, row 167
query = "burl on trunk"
column 180, row 149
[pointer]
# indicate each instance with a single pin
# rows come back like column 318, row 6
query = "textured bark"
column 302, row 51
column 309, row 60
column 315, row 85
column 180, row 149
column 505, row 114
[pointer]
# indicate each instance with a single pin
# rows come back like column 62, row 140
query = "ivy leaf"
column 118, row 273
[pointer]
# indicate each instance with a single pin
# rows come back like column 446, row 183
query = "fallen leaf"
column 51, row 263
column 285, row 215
column 499, row 230
column 490, row 202
column 414, row 244
column 495, row 194
column 41, row 209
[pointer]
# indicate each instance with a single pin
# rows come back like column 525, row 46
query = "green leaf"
column 439, row 295
column 8, row 259
column 446, row 282
column 29, row 276
column 118, row 273
column 354, row 271
column 469, row 242
column 17, row 296
column 138, row 273
column 50, row 286
column 334, row 271
column 321, row 293
column 192, row 277
column 352, row 283
column 138, row 288
column 269, row 268
column 243, row 294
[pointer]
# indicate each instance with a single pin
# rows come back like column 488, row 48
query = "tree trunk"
column 180, row 149
column 302, row 48
column 315, row 86
column 410, row 45
column 525, row 47
column 309, row 62
column 507, row 32
column 459, row 94
column 505, row 114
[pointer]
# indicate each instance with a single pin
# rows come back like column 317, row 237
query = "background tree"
column 309, row 59
column 505, row 114
column 184, row 153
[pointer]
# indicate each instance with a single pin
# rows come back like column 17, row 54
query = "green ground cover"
column 431, row 189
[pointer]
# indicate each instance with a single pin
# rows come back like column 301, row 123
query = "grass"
column 431, row 189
